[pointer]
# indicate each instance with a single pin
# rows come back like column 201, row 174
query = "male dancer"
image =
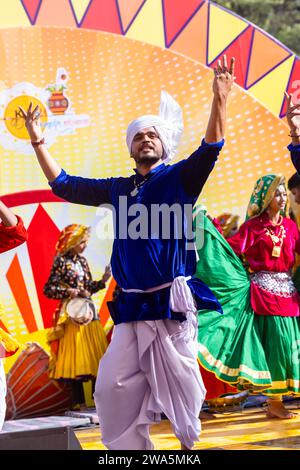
column 150, row 366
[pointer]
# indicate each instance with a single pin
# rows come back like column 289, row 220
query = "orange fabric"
column 17, row 284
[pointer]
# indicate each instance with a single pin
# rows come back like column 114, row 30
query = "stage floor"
column 246, row 430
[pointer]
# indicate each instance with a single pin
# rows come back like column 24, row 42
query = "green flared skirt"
column 256, row 352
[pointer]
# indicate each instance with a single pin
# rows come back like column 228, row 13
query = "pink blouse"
column 256, row 245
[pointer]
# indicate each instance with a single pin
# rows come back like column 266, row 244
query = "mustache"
column 146, row 146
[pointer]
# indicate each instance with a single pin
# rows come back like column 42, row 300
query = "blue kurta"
column 156, row 257
column 295, row 155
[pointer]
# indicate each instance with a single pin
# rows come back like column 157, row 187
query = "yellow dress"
column 80, row 347
column 80, row 350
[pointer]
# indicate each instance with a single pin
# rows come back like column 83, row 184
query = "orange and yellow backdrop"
column 94, row 65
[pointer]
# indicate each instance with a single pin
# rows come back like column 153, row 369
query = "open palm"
column 293, row 115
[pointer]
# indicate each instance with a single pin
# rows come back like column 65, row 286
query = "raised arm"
column 293, row 120
column 76, row 189
column 222, row 84
column 6, row 216
column 49, row 166
column 12, row 230
column 199, row 165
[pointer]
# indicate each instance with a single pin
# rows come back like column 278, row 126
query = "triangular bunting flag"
column 55, row 13
column 293, row 87
column 192, row 40
column 177, row 14
column 103, row 15
column 129, row 9
column 80, row 8
column 144, row 30
column 224, row 28
column 32, row 8
column 240, row 49
column 266, row 54
column 269, row 90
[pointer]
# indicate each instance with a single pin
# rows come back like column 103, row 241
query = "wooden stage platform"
column 245, row 430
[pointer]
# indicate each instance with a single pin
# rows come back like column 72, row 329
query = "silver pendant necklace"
column 137, row 186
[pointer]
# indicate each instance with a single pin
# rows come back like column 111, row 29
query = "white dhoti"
column 2, row 394
column 148, row 369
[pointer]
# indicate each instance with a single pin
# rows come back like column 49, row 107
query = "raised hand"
column 32, row 122
column 293, row 116
column 224, row 77
column 107, row 273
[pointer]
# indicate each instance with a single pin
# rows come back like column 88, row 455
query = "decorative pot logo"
column 57, row 116
column 58, row 103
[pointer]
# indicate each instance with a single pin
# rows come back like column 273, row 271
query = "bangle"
column 294, row 135
column 39, row 142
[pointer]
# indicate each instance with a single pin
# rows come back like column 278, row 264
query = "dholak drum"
column 81, row 310
column 30, row 392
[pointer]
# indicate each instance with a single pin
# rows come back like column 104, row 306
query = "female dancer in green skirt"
column 255, row 344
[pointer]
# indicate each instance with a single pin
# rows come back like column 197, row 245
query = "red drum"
column 30, row 392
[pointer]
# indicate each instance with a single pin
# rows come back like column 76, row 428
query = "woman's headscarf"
column 263, row 193
column 70, row 237
column 168, row 124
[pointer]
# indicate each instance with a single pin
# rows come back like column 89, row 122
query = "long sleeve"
column 11, row 237
column 89, row 284
column 295, row 155
column 53, row 288
column 197, row 168
column 87, row 191
column 95, row 286
column 242, row 240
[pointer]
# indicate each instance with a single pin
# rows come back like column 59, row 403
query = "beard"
column 146, row 160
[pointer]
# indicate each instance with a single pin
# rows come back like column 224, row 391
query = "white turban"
column 168, row 124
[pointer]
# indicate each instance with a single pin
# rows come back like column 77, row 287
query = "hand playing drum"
column 81, row 310
column 79, row 349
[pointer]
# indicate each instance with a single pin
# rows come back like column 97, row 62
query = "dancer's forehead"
column 145, row 131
